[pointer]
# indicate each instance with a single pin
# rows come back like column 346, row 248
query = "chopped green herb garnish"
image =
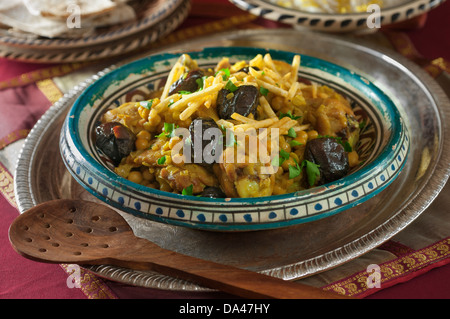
column 275, row 161
column 263, row 91
column 161, row 160
column 312, row 171
column 279, row 160
column 226, row 75
column 292, row 133
column 294, row 143
column 188, row 190
column 288, row 114
column 184, row 92
column 230, row 86
column 283, row 156
column 232, row 140
column 146, row 104
column 347, row 147
column 200, row 83
column 169, row 127
column 168, row 130
column 294, row 171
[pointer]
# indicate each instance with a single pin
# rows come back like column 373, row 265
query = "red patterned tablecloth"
column 27, row 91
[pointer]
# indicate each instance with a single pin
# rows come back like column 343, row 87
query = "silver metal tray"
column 297, row 251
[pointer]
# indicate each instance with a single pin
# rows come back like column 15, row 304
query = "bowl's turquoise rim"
column 370, row 90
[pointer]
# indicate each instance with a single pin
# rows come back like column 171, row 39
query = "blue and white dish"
column 338, row 22
column 384, row 148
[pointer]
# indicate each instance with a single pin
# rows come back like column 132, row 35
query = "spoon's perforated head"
column 69, row 231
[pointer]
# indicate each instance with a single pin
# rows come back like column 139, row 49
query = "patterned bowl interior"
column 383, row 147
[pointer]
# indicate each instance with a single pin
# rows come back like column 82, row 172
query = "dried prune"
column 115, row 140
column 213, row 192
column 187, row 83
column 331, row 157
column 244, row 101
column 206, row 141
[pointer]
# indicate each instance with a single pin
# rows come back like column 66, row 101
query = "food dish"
column 393, row 12
column 388, row 151
column 41, row 174
column 237, row 129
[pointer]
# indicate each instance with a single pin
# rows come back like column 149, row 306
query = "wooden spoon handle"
column 229, row 279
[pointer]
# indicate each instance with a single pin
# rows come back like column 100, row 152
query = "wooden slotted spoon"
column 82, row 232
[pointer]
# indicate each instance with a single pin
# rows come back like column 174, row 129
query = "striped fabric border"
column 13, row 137
column 7, row 185
column 50, row 90
column 41, row 74
column 393, row 271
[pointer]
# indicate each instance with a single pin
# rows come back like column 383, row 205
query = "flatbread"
column 19, row 18
column 24, row 16
column 59, row 8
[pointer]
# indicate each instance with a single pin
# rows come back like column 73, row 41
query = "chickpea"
column 277, row 103
column 294, row 156
column 144, row 135
column 279, row 172
column 146, row 175
column 142, row 144
column 300, row 151
column 289, row 162
column 302, row 137
column 312, row 134
column 123, row 170
column 278, row 190
column 353, row 159
column 165, row 187
column 284, row 145
column 153, row 185
column 135, row 177
column 175, row 116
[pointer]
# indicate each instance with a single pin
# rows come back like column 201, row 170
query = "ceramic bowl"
column 395, row 11
column 383, row 147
